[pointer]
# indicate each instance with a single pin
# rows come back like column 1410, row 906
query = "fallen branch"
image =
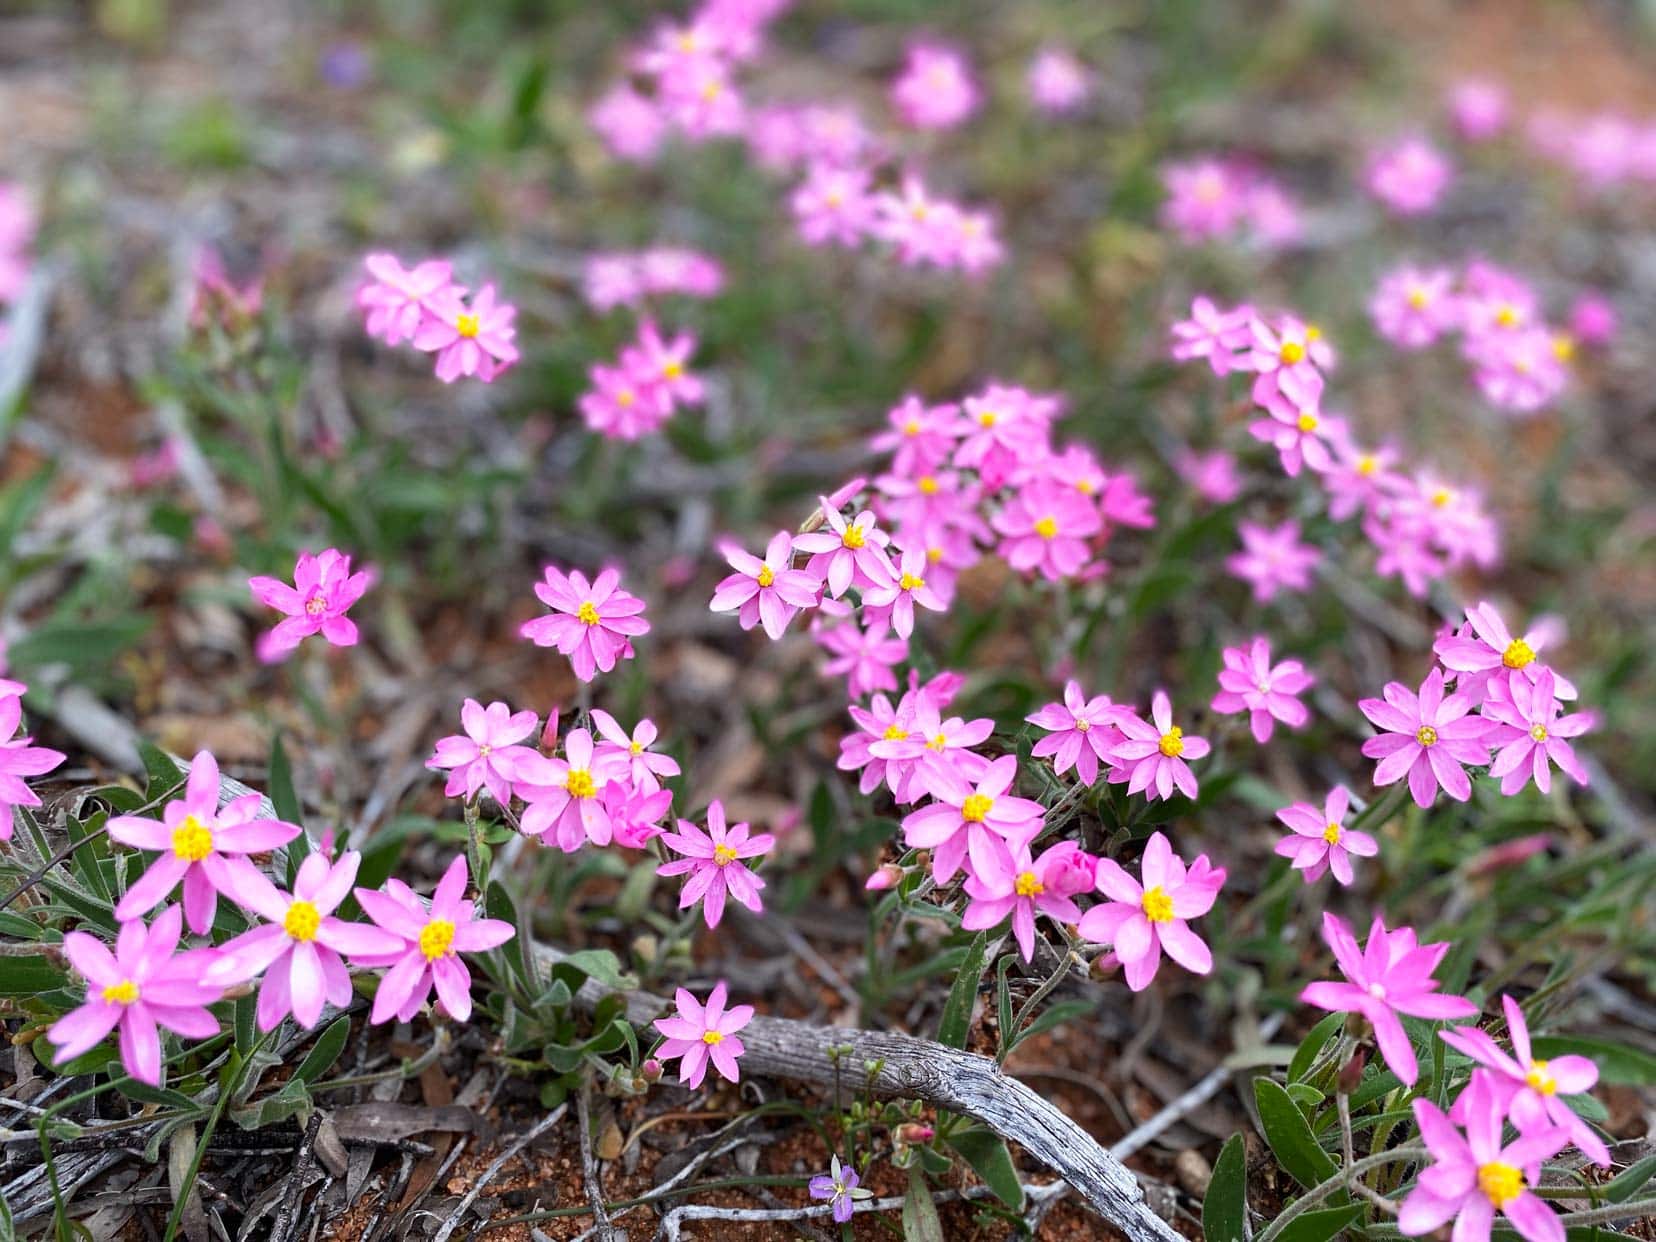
column 962, row 1082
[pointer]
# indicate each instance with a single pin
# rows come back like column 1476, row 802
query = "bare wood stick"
column 674, row 1221
column 963, row 1082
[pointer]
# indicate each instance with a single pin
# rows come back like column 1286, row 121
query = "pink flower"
column 848, row 553
column 1289, row 357
column 645, row 767
column 1474, row 1176
column 1151, row 758
column 933, row 751
column 920, row 227
column 398, row 300
column 487, row 754
column 1046, row 527
column 675, row 269
column 979, row 826
column 1360, row 478
column 635, row 816
column 1141, row 920
column 470, row 340
column 1081, row 731
column 1212, row 475
column 323, row 591
column 1273, row 559
column 935, row 89
column 864, row 657
column 198, row 842
column 877, row 722
column 833, row 206
column 429, row 944
column 1479, row 108
column 563, row 795
column 298, row 949
column 767, row 591
column 1409, row 176
column 139, row 987
column 1429, row 737
column 1250, row 683
column 19, row 757
column 1222, row 337
column 593, row 623
column 1392, row 975
column 630, row 125
column 1414, row 306
column 1273, row 214
column 664, row 366
column 1490, row 652
column 1205, row 199
column 1522, row 371
column 894, row 599
column 1593, row 320
column 921, row 437
column 699, row 1035
column 1296, row 426
column 1321, row 842
column 1045, row 885
column 713, row 861
column 1057, row 82
column 1527, row 1088
column 1526, row 731
column 623, row 404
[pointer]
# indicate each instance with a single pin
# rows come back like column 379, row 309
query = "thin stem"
column 1338, row 1182
column 46, row 868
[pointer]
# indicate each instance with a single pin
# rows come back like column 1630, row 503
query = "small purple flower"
column 769, row 591
column 645, row 767
column 849, row 553
column 839, row 1186
column 1528, row 731
column 699, row 1034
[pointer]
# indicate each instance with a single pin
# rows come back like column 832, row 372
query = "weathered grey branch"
column 962, row 1082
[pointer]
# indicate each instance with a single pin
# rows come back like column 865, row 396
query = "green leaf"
column 146, row 1094
column 282, row 795
column 1321, row 1225
column 1316, row 1039
column 956, row 1022
column 920, row 1219
column 1618, row 1064
column 1225, row 1209
column 28, row 974
column 604, row 966
column 1621, row 1188
column 325, row 1051
column 1289, row 1136
column 986, row 1152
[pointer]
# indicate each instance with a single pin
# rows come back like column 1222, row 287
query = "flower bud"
column 914, row 1132
column 884, row 877
column 1351, row 1073
column 650, row 1071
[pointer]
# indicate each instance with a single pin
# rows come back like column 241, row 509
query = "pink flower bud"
column 883, row 878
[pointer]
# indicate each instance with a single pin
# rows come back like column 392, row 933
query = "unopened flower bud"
column 650, row 1071
column 915, row 1132
column 1351, row 1073
column 884, row 877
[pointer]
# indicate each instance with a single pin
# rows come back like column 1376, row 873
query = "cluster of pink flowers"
column 19, row 756
column 1491, row 695
column 1518, row 361
column 17, row 230
column 1408, row 176
column 1210, row 198
column 640, row 392
column 1421, row 526
column 424, row 306
column 324, row 589
column 298, row 950
column 632, row 278
column 1474, row 1174
column 1601, row 150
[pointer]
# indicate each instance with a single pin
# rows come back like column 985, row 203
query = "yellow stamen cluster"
column 927, row 485
column 1500, row 1182
column 437, row 939
column 713, row 1037
column 723, row 855
column 301, row 921
column 976, row 808
column 466, row 325
column 765, row 576
column 908, row 582
column 1367, row 465
column 123, row 993
column 1292, row 352
column 192, row 840
column 587, row 613
column 853, row 537
column 912, row 427
column 672, row 370
column 1538, row 733
column 895, row 733
column 1331, row 834
column 1157, row 905
column 1307, row 422
column 316, row 605
column 580, row 783
column 1518, row 654
column 988, row 418
column 1172, row 743
column 1426, row 735
column 1418, row 298
column 1541, row 1079
column 1028, row 885
column 1047, row 527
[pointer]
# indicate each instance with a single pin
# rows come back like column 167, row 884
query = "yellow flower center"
column 895, row 733
column 1028, row 886
column 939, row 743
column 853, row 538
column 1563, row 347
column 636, row 748
column 1172, row 743
column 765, row 576
column 1538, row 732
column 1367, row 465
column 587, row 613
column 1083, row 726
column 1331, row 834
column 908, row 582
column 713, row 1037
column 580, row 783
column 1418, row 299
column 437, row 939
column 1518, row 654
column 672, row 370
column 912, row 427
column 1291, row 352
column 1307, row 422
column 1501, row 1182
column 192, row 840
column 1085, row 486
column 934, row 555
column 1442, row 497
column 466, row 325
column 723, row 855
column 927, row 485
column 710, row 92
column 301, row 921
column 316, row 605
column 1507, row 316
column 1426, row 735
column 625, row 398
column 1047, row 527
column 835, row 198
column 1157, row 905
column 1313, row 332
column 988, row 418
column 976, row 808
column 1540, row 1078
column 123, row 993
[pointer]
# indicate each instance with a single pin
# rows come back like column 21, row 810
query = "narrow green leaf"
column 1316, row 1039
column 325, row 1051
column 986, row 1152
column 1289, row 1135
column 1622, row 1187
column 1225, row 1209
column 956, row 1022
column 920, row 1219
